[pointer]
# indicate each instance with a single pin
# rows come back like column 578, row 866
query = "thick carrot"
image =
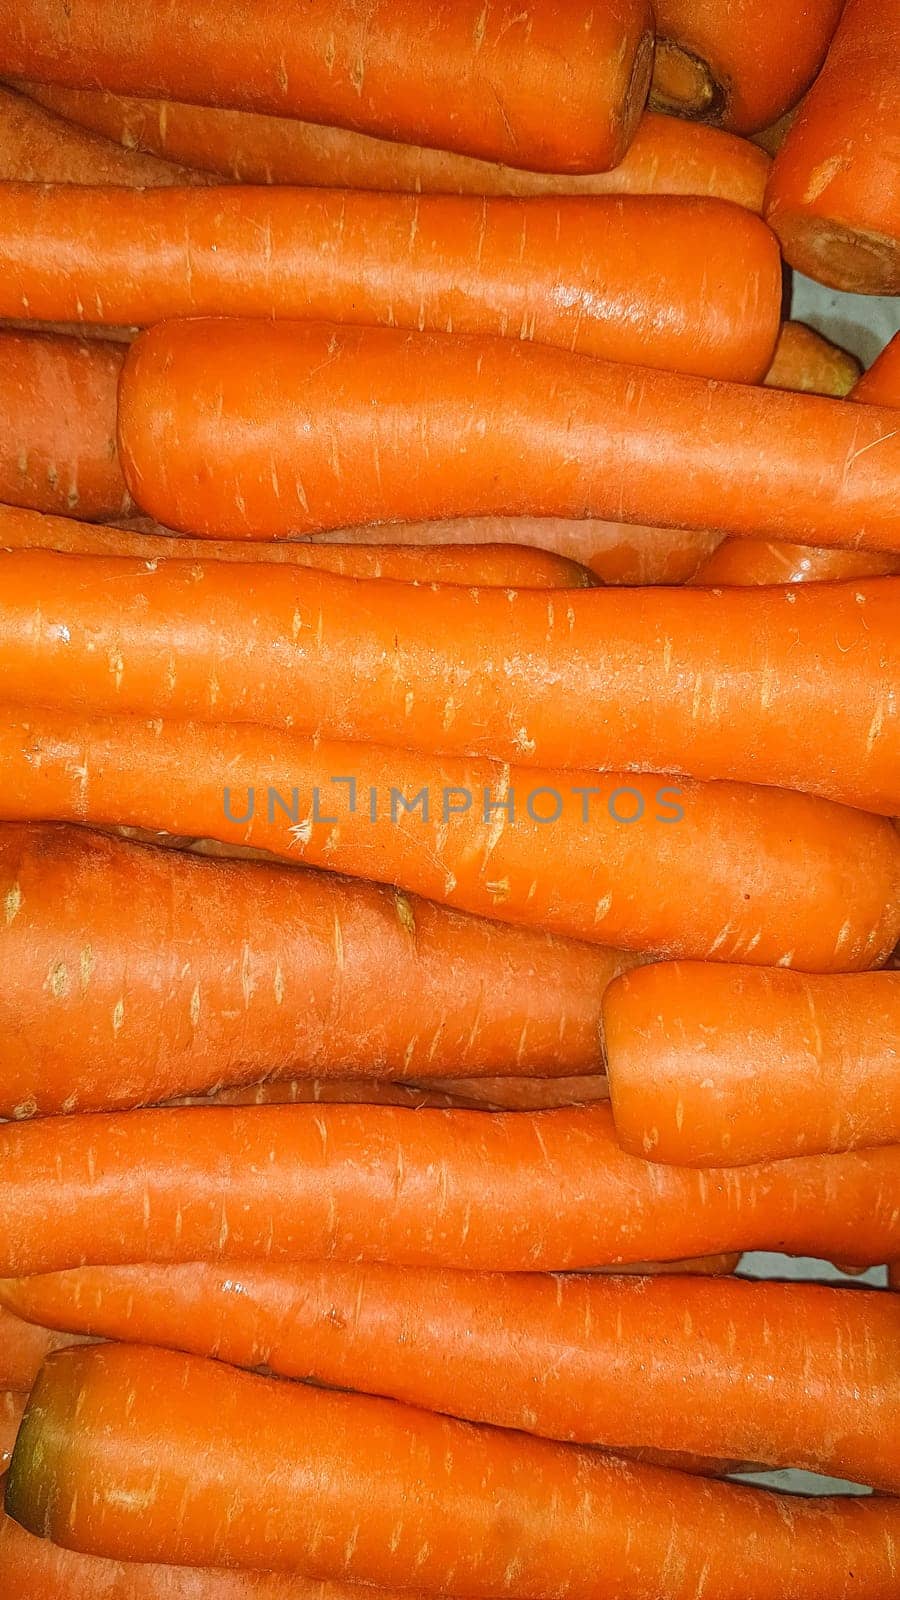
column 554, row 87
column 709, row 871
column 832, row 194
column 666, row 1363
column 667, row 281
column 58, row 425
column 711, row 1065
column 546, row 433
column 666, row 155
column 805, row 360
column 797, row 688
column 347, row 1486
column 38, row 147
column 23, row 1348
column 733, row 65
column 247, row 970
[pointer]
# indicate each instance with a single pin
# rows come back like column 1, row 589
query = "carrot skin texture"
column 806, row 681
column 833, row 196
column 621, row 1362
column 88, row 1021
column 38, row 147
column 806, row 361
column 678, row 283
column 547, row 434
column 283, row 1183
column 728, row 882
column 711, row 1065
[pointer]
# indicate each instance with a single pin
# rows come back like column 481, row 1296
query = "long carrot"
column 58, row 425
column 711, row 1065
column 546, row 433
column 23, row 1348
column 793, row 688
column 553, row 87
column 709, row 871
column 38, row 147
column 731, row 64
column 832, row 193
column 345, row 1486
column 666, row 1363
column 679, row 283
column 247, row 970
column 666, row 155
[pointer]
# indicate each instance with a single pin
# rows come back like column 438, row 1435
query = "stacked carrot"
column 449, row 862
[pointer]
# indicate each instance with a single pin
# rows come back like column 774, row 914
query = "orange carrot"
column 264, row 971
column 58, row 425
column 553, row 87
column 710, row 871
column 23, row 1348
column 527, row 1094
column 737, row 66
column 723, row 1065
column 546, row 433
column 832, row 193
column 347, row 1486
column 673, row 282
column 622, row 1362
column 666, row 155
column 38, row 147
column 881, row 384
column 12, row 1407
column 341, row 1092
column 795, row 688
column 806, row 361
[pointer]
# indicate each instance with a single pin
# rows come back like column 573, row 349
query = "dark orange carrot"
column 23, row 1348
column 712, row 1065
column 832, row 193
column 38, row 147
column 546, row 433
column 622, row 1362
column 708, row 871
column 673, row 282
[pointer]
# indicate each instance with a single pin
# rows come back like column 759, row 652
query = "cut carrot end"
column 683, row 85
column 855, row 260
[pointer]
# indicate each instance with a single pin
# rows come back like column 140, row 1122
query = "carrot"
column 89, row 1020
column 832, row 193
column 805, row 360
column 335, row 1092
column 711, row 1065
column 880, row 385
column 727, row 64
column 527, row 1094
column 793, row 688
column 556, row 88
column 674, row 282
column 666, row 156
column 291, row 1492
column 547, row 433
column 38, row 147
column 665, row 1363
column 23, row 1348
column 58, row 425
column 708, row 871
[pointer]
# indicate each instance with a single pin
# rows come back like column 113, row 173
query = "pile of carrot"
column 449, row 802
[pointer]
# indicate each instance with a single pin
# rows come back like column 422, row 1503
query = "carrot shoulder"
column 38, row 147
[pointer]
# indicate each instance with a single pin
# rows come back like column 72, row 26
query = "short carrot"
column 795, row 688
column 729, row 65
column 806, row 361
column 832, row 196
column 666, row 155
column 38, row 147
column 711, row 1065
column 347, row 1486
column 553, row 87
column 672, row 282
column 546, row 433
column 58, row 425
column 247, row 970
column 23, row 1348
column 407, row 1188
column 665, row 1363
column 706, row 871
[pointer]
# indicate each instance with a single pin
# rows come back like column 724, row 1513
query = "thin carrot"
column 666, row 1363
column 796, row 688
column 38, row 147
column 334, row 1092
column 666, row 155
column 832, row 193
column 346, row 1486
column 58, row 425
column 711, row 1065
column 730, row 65
column 546, row 433
column 708, row 871
column 667, row 281
column 554, row 87
column 23, row 1349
